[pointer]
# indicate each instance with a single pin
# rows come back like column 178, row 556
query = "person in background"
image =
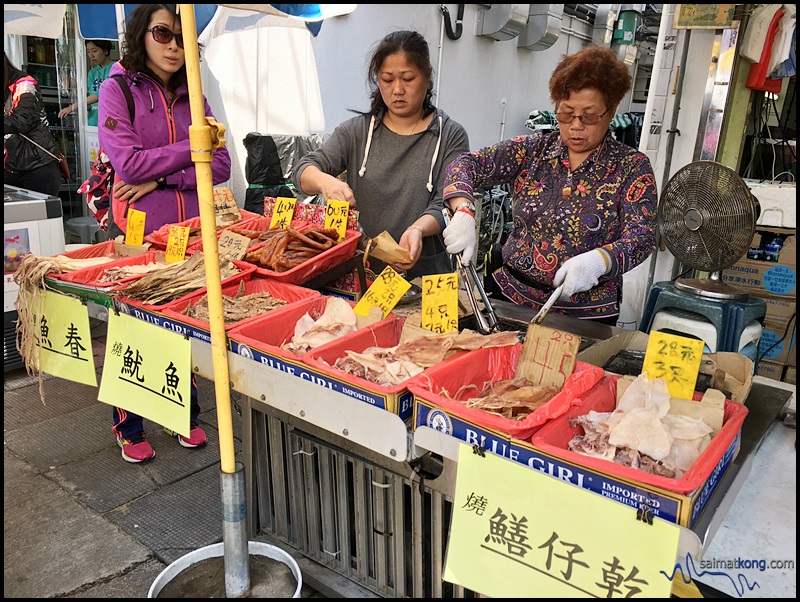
column 152, row 158
column 30, row 154
column 394, row 155
column 583, row 204
column 99, row 52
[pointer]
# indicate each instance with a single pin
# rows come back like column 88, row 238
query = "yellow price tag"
column 176, row 244
column 282, row 213
column 676, row 359
column 336, row 216
column 134, row 233
column 388, row 288
column 440, row 302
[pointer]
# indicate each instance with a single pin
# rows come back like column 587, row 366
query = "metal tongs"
column 485, row 323
column 539, row 317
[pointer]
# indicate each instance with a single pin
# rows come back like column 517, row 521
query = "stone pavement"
column 79, row 521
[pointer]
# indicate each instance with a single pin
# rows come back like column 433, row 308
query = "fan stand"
column 730, row 317
column 712, row 287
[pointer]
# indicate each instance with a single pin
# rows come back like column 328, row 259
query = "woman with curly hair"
column 583, row 203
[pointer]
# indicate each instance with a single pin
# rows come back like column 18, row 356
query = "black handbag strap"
column 126, row 90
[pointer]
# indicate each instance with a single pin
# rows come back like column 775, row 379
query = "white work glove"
column 580, row 273
column 459, row 236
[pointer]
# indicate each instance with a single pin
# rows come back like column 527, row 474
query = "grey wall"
column 476, row 74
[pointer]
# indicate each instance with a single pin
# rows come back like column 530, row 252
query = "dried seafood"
column 393, row 365
column 289, row 248
column 174, row 282
column 515, row 398
column 117, row 273
column 236, row 308
column 337, row 320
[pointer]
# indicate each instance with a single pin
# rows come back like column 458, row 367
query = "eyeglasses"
column 162, row 35
column 586, row 118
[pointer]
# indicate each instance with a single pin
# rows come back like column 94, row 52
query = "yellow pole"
column 200, row 138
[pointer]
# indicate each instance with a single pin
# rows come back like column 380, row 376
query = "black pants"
column 45, row 179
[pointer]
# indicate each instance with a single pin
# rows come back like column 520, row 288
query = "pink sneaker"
column 197, row 437
column 136, row 449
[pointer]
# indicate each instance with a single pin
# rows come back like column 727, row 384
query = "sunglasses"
column 586, row 118
column 162, row 35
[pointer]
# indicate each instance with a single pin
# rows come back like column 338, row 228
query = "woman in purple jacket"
column 152, row 159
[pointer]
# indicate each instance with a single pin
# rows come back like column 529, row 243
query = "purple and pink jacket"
column 155, row 145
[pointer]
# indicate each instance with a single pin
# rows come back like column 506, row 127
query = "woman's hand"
column 334, row 188
column 66, row 111
column 411, row 241
column 133, row 192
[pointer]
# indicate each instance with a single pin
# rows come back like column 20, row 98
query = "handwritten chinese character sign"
column 134, row 232
column 336, row 216
column 440, row 302
column 65, row 339
column 148, row 371
column 676, row 359
column 516, row 532
column 176, row 244
column 282, row 213
column 388, row 288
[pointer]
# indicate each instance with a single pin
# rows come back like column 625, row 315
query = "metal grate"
column 382, row 530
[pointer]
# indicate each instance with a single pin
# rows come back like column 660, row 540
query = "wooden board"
column 548, row 355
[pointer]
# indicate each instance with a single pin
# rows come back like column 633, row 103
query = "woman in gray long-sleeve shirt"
column 395, row 156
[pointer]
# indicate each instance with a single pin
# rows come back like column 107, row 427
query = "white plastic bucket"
column 254, row 548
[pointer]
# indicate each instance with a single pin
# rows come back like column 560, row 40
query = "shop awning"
column 99, row 21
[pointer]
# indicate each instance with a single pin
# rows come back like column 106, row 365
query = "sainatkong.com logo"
column 726, row 569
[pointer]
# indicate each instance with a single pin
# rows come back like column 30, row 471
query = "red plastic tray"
column 495, row 364
column 553, row 439
column 101, row 249
column 254, row 284
column 267, row 333
column 91, row 276
column 159, row 238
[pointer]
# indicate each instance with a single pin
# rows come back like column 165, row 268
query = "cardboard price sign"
column 440, row 303
column 232, row 246
column 134, row 233
column 548, row 355
column 388, row 288
column 176, row 244
column 336, row 216
column 226, row 211
column 282, row 213
column 676, row 359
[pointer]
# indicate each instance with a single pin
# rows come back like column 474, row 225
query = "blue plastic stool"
column 730, row 318
column 85, row 228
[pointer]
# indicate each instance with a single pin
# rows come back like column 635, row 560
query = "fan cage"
column 707, row 216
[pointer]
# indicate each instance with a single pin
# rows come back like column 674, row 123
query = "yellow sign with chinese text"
column 148, row 371
column 282, row 213
column 65, row 339
column 176, row 244
column 676, row 359
column 134, row 231
column 336, row 216
column 440, row 303
column 385, row 292
column 519, row 533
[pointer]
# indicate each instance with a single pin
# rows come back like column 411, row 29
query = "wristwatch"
column 161, row 183
column 465, row 205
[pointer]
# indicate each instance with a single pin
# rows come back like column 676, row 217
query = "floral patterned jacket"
column 609, row 201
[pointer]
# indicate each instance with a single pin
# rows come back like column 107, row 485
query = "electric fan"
column 707, row 217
